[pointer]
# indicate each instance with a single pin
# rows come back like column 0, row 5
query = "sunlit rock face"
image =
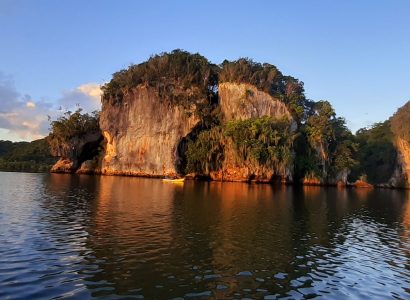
column 63, row 165
column 401, row 175
column 242, row 102
column 142, row 133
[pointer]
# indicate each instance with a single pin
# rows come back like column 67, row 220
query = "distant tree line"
column 26, row 156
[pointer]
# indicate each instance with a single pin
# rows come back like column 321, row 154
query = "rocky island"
column 178, row 115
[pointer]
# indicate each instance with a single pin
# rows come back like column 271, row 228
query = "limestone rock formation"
column 401, row 175
column 400, row 123
column 177, row 113
column 244, row 101
column 142, row 134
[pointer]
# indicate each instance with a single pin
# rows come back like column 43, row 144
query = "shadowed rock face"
column 242, row 102
column 142, row 134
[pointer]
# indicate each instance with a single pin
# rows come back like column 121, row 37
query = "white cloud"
column 87, row 96
column 91, row 89
column 30, row 104
column 23, row 118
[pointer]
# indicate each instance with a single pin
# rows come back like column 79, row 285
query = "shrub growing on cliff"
column 180, row 77
column 265, row 77
column 72, row 125
column 264, row 140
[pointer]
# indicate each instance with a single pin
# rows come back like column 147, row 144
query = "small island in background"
column 179, row 115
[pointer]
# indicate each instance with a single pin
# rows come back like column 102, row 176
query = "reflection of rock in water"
column 144, row 237
column 405, row 233
column 406, row 213
column 131, row 236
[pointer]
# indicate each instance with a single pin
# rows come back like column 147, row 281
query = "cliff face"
column 401, row 176
column 400, row 127
column 242, row 102
column 142, row 134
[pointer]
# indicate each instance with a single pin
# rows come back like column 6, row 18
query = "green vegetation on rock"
column 264, row 140
column 261, row 141
column 206, row 152
column 180, row 77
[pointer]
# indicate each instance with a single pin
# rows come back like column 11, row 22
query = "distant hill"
column 25, row 156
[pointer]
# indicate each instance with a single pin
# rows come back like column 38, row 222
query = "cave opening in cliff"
column 89, row 151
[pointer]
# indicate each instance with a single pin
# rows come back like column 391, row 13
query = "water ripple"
column 83, row 237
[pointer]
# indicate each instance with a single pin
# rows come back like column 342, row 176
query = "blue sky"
column 356, row 54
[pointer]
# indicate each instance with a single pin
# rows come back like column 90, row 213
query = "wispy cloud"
column 24, row 118
column 86, row 96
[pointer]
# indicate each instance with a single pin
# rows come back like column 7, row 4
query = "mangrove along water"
column 84, row 237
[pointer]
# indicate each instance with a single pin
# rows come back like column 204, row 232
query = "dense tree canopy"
column 329, row 137
column 205, row 153
column 264, row 140
column 376, row 153
column 260, row 141
column 178, row 76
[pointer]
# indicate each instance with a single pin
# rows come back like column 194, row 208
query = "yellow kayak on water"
column 176, row 180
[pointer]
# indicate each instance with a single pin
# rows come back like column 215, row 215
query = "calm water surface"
column 80, row 237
